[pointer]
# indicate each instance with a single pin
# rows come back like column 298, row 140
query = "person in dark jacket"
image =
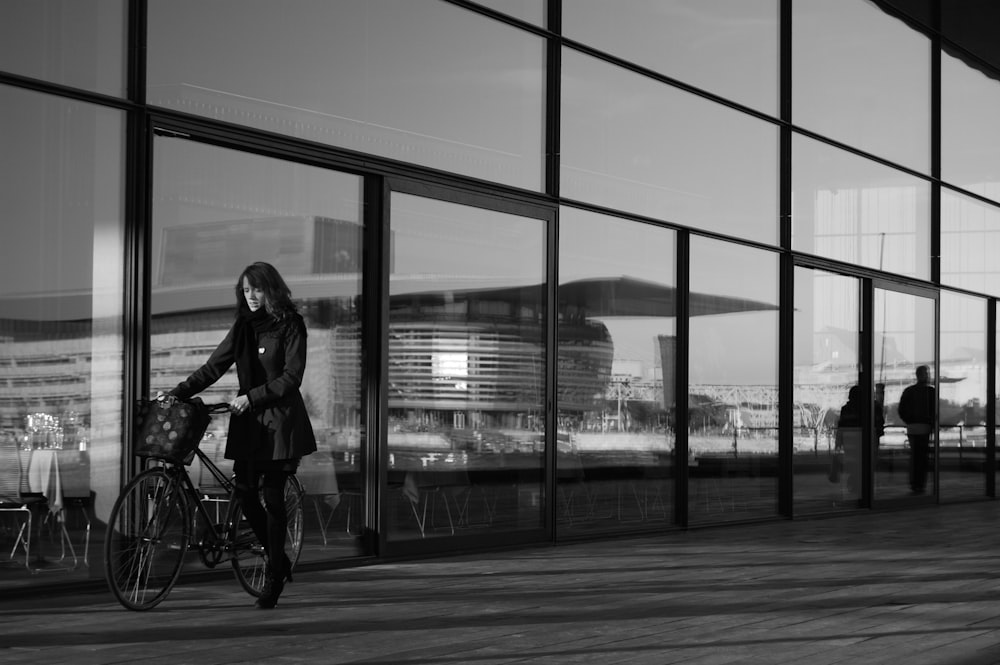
column 917, row 406
column 848, row 439
column 269, row 429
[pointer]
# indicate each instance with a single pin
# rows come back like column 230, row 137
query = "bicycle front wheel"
column 249, row 563
column 148, row 534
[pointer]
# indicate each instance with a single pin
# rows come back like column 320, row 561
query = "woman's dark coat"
column 277, row 425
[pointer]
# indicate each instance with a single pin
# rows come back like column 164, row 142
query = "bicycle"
column 151, row 532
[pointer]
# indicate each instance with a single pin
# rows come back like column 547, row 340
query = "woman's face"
column 254, row 296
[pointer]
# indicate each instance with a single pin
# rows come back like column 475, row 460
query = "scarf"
column 248, row 328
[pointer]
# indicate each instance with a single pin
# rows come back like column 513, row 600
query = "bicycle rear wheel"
column 147, row 538
column 249, row 563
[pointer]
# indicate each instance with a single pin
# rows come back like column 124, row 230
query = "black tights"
column 270, row 520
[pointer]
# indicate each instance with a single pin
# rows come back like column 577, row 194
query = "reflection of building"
column 480, row 365
column 207, row 253
column 50, row 369
column 331, row 384
column 475, row 368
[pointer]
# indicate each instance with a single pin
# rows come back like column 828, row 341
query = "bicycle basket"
column 170, row 429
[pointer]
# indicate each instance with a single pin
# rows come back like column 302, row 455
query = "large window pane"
column 61, row 296
column 903, row 341
column 617, row 335
column 728, row 47
column 970, row 243
column 963, row 397
column 862, row 77
column 215, row 211
column 852, row 209
column 970, row 142
column 421, row 81
column 80, row 43
column 466, row 381
column 633, row 143
column 733, row 391
column 827, row 455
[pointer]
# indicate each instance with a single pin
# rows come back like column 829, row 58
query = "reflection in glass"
column 466, row 376
column 970, row 243
column 727, row 47
column 963, row 396
column 733, row 391
column 903, row 340
column 617, row 341
column 827, row 448
column 636, row 144
column 970, row 143
column 852, row 209
column 61, row 295
column 862, row 77
column 421, row 81
column 79, row 44
column 214, row 212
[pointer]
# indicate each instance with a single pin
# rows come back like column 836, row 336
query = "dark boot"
column 272, row 589
column 274, row 584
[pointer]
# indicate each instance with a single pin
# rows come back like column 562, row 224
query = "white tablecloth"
column 43, row 476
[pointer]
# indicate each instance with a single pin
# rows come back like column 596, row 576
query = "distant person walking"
column 916, row 407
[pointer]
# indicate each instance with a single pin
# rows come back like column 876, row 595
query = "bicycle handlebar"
column 218, row 407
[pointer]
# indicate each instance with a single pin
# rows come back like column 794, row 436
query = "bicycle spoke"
column 147, row 539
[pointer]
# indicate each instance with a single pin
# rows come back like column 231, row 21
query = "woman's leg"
column 273, row 484
column 248, row 494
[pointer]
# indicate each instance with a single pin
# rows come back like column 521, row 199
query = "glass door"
column 962, row 453
column 904, row 384
column 215, row 211
column 865, row 386
column 828, row 391
column 466, row 367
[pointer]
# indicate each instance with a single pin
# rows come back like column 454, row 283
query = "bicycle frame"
column 152, row 527
column 219, row 542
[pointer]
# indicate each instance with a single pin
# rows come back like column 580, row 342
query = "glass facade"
column 733, row 382
column 616, row 373
column 828, row 441
column 633, row 143
column 856, row 210
column 904, row 335
column 418, row 81
column 740, row 38
column 214, row 211
column 862, row 77
column 466, row 369
column 963, row 398
column 970, row 146
column 62, row 378
column 78, row 44
column 970, row 242
column 565, row 271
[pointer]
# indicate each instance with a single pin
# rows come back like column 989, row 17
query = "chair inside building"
column 17, row 504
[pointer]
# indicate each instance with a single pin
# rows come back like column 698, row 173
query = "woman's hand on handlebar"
column 240, row 404
column 164, row 397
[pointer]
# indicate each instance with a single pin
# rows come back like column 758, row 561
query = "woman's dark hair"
column 277, row 295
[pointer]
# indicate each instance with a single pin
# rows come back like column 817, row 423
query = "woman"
column 269, row 430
